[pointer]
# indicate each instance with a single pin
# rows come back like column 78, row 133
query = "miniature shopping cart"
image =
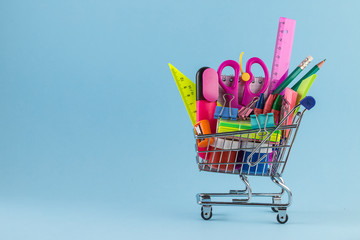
column 255, row 152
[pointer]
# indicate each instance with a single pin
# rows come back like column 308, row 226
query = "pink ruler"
column 282, row 55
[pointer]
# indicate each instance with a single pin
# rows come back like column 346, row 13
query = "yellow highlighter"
column 304, row 88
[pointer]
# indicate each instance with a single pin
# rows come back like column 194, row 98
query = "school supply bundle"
column 246, row 124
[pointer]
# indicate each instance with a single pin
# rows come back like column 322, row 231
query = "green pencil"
column 308, row 74
column 293, row 75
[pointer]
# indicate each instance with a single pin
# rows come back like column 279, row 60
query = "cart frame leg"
column 244, row 197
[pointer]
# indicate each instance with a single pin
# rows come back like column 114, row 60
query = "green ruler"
column 187, row 91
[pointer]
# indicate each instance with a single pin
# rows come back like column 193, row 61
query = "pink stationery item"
column 206, row 95
column 269, row 102
column 282, row 54
column 255, row 86
column 233, row 90
column 244, row 112
column 248, row 95
column 206, row 98
column 289, row 102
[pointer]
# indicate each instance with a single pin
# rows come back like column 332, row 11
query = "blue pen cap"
column 308, row 102
column 261, row 102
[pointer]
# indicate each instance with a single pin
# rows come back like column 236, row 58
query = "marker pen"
column 207, row 93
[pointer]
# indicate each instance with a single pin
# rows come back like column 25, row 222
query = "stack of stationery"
column 220, row 103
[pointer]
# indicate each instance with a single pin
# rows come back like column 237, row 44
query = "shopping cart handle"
column 308, row 102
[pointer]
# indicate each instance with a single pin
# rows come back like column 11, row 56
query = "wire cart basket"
column 258, row 152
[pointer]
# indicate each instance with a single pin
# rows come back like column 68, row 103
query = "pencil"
column 292, row 75
column 308, row 74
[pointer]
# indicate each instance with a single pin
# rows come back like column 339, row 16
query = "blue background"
column 95, row 142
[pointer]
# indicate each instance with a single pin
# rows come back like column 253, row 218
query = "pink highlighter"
column 207, row 93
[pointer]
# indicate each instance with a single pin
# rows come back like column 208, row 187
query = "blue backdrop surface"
column 95, row 142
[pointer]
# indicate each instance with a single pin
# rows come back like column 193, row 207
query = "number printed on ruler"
column 278, row 48
column 282, row 54
column 187, row 91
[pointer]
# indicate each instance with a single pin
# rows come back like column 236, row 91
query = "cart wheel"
column 282, row 220
column 206, row 215
column 274, row 209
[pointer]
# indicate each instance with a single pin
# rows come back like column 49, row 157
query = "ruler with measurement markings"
column 187, row 91
column 282, row 54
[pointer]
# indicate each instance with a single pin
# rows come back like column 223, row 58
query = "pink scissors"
column 232, row 97
column 248, row 96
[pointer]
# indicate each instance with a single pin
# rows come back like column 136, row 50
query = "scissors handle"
column 248, row 95
column 233, row 89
